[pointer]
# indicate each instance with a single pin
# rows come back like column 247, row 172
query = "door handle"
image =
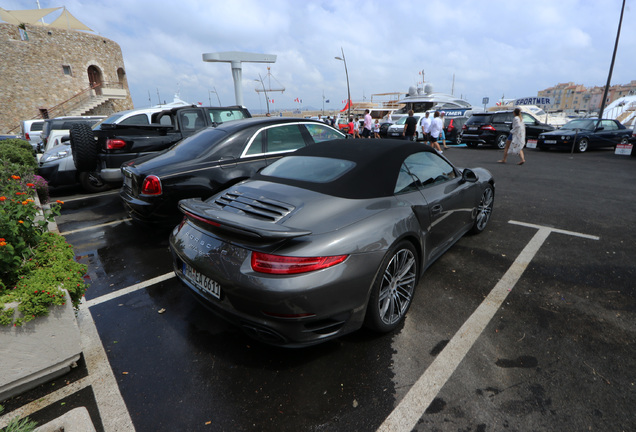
column 436, row 209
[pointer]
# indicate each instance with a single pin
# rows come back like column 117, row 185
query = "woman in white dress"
column 518, row 138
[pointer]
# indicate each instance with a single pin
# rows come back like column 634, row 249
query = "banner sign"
column 533, row 101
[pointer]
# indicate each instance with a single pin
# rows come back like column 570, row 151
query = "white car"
column 397, row 129
column 57, row 166
column 31, row 130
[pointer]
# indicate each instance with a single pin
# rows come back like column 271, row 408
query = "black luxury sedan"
column 583, row 134
column 211, row 160
column 329, row 238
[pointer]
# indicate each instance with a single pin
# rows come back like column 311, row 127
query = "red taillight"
column 27, row 136
column 151, row 186
column 199, row 218
column 464, row 127
column 115, row 144
column 488, row 127
column 277, row 264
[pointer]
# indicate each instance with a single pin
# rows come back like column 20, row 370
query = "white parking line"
column 124, row 291
column 92, row 227
column 81, row 197
column 411, row 408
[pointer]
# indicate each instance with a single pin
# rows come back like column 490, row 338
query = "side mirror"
column 469, row 176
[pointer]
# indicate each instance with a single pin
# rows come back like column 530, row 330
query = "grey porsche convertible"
column 328, row 239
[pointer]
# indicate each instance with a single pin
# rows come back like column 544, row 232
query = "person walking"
column 368, row 124
column 443, row 134
column 376, row 129
column 410, row 127
column 426, row 128
column 436, row 129
column 515, row 143
column 356, row 128
column 351, row 128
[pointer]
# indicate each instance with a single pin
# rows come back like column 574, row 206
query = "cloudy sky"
column 492, row 48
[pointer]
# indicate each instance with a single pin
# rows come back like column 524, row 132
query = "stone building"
column 576, row 97
column 46, row 72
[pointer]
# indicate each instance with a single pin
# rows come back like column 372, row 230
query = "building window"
column 67, row 70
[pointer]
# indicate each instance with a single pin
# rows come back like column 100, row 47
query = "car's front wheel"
column 582, row 145
column 393, row 288
column 484, row 210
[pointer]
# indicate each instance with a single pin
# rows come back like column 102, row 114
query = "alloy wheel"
column 396, row 289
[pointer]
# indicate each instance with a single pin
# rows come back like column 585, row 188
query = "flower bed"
column 35, row 265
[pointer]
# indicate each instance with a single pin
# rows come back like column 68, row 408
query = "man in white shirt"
column 426, row 128
column 436, row 129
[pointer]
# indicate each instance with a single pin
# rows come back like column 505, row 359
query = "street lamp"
column 348, row 89
column 264, row 91
column 217, row 96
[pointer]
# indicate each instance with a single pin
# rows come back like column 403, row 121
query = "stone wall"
column 51, row 67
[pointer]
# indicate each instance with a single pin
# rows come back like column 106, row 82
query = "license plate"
column 473, row 128
column 531, row 144
column 128, row 182
column 550, row 141
column 201, row 281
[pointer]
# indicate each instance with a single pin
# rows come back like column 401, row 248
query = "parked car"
column 493, row 128
column 211, row 160
column 397, row 129
column 58, row 167
column 453, row 129
column 104, row 149
column 331, row 237
column 584, row 134
column 55, row 129
column 31, row 130
column 6, row 137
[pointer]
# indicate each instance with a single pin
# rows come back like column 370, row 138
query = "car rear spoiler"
column 221, row 220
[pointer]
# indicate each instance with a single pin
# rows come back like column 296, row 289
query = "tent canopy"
column 33, row 16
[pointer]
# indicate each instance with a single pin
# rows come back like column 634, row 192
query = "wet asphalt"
column 559, row 354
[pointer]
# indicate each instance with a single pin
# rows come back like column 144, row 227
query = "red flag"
column 346, row 106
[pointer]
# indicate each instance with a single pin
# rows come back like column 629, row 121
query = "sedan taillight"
column 115, row 144
column 151, row 186
column 278, row 264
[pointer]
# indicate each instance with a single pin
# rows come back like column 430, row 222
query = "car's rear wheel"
column 83, row 147
column 582, row 145
column 91, row 182
column 501, row 141
column 393, row 288
column 458, row 138
column 484, row 210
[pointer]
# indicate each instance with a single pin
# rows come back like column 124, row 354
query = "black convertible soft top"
column 378, row 163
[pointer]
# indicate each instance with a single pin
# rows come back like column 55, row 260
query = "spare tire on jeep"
column 83, row 147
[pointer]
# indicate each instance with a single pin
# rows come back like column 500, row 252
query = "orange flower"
column 15, row 177
column 20, row 222
column 59, row 202
column 20, row 193
column 2, row 198
column 30, row 185
column 1, row 239
column 3, row 243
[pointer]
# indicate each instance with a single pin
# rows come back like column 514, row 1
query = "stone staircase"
column 96, row 100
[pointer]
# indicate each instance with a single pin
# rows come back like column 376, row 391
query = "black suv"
column 493, row 128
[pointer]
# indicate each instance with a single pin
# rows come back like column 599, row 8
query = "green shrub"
column 14, row 151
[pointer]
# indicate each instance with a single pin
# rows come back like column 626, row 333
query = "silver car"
column 330, row 238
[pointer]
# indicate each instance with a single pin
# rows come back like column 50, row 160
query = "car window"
column 284, row 138
column 191, row 120
column 479, row 119
column 609, row 125
column 428, row 167
column 36, row 126
column 220, row 116
column 527, row 119
column 138, row 119
column 321, row 133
